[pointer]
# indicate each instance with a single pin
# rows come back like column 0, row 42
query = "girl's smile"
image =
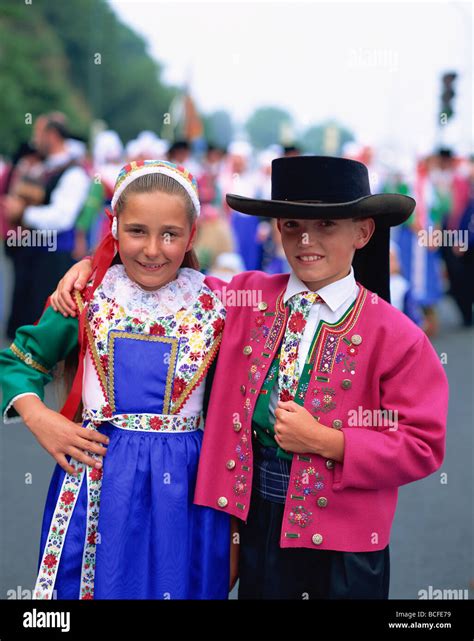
column 150, row 266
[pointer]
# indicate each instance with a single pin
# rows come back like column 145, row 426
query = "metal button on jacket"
column 317, row 539
column 247, row 350
column 337, row 423
column 346, row 384
column 262, row 306
column 322, row 501
column 329, row 464
column 243, row 389
column 230, row 464
column 356, row 339
column 237, row 426
column 222, row 501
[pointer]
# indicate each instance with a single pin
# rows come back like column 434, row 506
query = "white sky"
column 374, row 67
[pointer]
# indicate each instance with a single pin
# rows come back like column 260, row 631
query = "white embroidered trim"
column 178, row 294
column 15, row 419
column 54, row 545
column 94, row 487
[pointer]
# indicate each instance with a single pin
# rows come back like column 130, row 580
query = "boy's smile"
column 320, row 252
column 309, row 258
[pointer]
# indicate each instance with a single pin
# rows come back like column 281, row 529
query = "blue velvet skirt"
column 150, row 540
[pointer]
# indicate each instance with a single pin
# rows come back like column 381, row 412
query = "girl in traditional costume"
column 119, row 520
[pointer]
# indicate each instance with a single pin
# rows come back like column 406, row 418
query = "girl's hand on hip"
column 60, row 437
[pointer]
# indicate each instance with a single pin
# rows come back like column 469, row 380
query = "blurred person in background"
column 92, row 223
column 237, row 177
column 214, row 235
column 267, row 230
column 20, row 178
column 226, row 266
column 180, row 153
column 420, row 259
column 454, row 180
column 291, row 150
column 145, row 146
column 65, row 184
column 208, row 176
column 400, row 293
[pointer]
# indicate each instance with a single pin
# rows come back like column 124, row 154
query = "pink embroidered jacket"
column 374, row 359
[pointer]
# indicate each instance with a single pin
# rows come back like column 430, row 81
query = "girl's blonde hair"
column 150, row 183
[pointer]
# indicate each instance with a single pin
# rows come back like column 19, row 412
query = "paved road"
column 431, row 542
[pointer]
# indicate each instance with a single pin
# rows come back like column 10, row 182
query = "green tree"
column 33, row 76
column 75, row 57
column 110, row 65
column 218, row 128
column 265, row 126
column 315, row 139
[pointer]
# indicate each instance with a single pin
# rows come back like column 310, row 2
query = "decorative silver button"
column 317, row 539
column 222, row 501
column 337, row 423
column 330, row 464
column 356, row 339
column 230, row 464
column 322, row 501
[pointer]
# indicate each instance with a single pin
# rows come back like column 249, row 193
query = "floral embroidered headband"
column 134, row 170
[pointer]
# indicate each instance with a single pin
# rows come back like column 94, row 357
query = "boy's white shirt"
column 337, row 296
column 67, row 198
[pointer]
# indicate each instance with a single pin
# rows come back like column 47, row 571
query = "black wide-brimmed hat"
column 323, row 187
column 314, row 187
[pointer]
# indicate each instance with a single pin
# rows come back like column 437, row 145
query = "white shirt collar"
column 334, row 295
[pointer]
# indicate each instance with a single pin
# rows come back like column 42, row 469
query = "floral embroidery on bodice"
column 185, row 310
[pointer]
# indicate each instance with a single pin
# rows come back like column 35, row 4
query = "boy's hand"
column 299, row 432
column 294, row 427
column 60, row 436
column 75, row 278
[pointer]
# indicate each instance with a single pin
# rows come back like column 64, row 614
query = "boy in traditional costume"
column 336, row 400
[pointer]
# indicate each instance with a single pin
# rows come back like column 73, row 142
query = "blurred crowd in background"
column 57, row 182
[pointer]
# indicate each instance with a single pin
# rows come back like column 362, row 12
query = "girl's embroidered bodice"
column 149, row 351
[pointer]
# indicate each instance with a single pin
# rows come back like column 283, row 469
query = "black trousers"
column 268, row 571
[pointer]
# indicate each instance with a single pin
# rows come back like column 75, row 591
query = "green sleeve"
column 92, row 207
column 25, row 367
